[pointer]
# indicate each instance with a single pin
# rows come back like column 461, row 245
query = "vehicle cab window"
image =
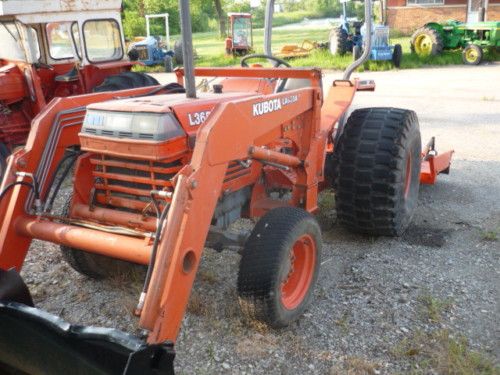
column 11, row 46
column 241, row 31
column 61, row 37
column 102, row 40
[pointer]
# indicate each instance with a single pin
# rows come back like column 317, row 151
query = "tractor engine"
column 135, row 147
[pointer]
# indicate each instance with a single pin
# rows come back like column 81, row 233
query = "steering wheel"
column 277, row 60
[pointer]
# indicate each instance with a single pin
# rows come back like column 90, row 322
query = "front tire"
column 377, row 172
column 472, row 54
column 168, row 64
column 93, row 265
column 279, row 266
column 178, row 54
column 397, row 54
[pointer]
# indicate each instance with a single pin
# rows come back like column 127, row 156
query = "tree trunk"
column 222, row 18
column 141, row 8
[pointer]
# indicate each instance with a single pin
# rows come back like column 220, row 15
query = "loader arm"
column 198, row 186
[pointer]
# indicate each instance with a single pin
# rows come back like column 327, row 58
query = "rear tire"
column 472, row 54
column 279, row 266
column 377, row 171
column 178, row 56
column 397, row 54
column 126, row 80
column 4, row 154
column 92, row 265
column 426, row 41
column 338, row 41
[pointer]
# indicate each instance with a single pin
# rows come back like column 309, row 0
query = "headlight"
column 131, row 125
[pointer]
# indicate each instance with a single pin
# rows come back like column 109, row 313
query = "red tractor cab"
column 240, row 37
column 54, row 49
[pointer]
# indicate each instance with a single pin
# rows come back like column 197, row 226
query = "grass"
column 196, row 305
column 440, row 353
column 326, row 213
column 343, row 322
column 433, row 308
column 210, row 52
column 489, row 235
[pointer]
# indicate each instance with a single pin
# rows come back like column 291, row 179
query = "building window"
column 425, row 2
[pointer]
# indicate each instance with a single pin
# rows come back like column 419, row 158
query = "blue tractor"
column 152, row 50
column 348, row 37
column 345, row 36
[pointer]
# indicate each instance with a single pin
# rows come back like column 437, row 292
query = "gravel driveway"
column 381, row 303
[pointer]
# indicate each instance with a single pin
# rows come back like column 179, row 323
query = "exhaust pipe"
column 268, row 27
column 367, row 42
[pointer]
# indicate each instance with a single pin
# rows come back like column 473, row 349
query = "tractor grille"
column 143, row 53
column 235, row 170
column 126, row 183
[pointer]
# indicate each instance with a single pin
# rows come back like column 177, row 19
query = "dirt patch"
column 423, row 235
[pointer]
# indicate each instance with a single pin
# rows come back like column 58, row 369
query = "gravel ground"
column 374, row 295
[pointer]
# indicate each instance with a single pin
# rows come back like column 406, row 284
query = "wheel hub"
column 423, row 45
column 471, row 55
column 299, row 273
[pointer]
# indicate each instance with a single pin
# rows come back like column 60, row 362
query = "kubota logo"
column 266, row 107
column 273, row 105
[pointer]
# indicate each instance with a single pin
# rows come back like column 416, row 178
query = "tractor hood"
column 148, row 128
column 190, row 113
column 148, row 41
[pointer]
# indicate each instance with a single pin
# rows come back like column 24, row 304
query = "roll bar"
column 187, row 38
column 187, row 49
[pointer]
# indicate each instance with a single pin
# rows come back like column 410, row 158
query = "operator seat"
column 299, row 83
column 70, row 76
column 296, row 83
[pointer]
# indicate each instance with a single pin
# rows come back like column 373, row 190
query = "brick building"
column 408, row 15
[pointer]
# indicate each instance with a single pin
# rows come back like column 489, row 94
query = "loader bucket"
column 35, row 342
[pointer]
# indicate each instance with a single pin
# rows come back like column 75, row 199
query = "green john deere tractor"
column 472, row 38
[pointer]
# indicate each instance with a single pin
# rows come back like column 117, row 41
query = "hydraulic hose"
column 154, row 250
column 32, row 186
column 50, row 201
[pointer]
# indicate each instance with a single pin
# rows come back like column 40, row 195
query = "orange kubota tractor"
column 159, row 175
column 57, row 49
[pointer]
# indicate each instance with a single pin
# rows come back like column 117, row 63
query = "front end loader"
column 160, row 173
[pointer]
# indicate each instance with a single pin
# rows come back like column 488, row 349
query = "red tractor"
column 57, row 49
column 239, row 41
